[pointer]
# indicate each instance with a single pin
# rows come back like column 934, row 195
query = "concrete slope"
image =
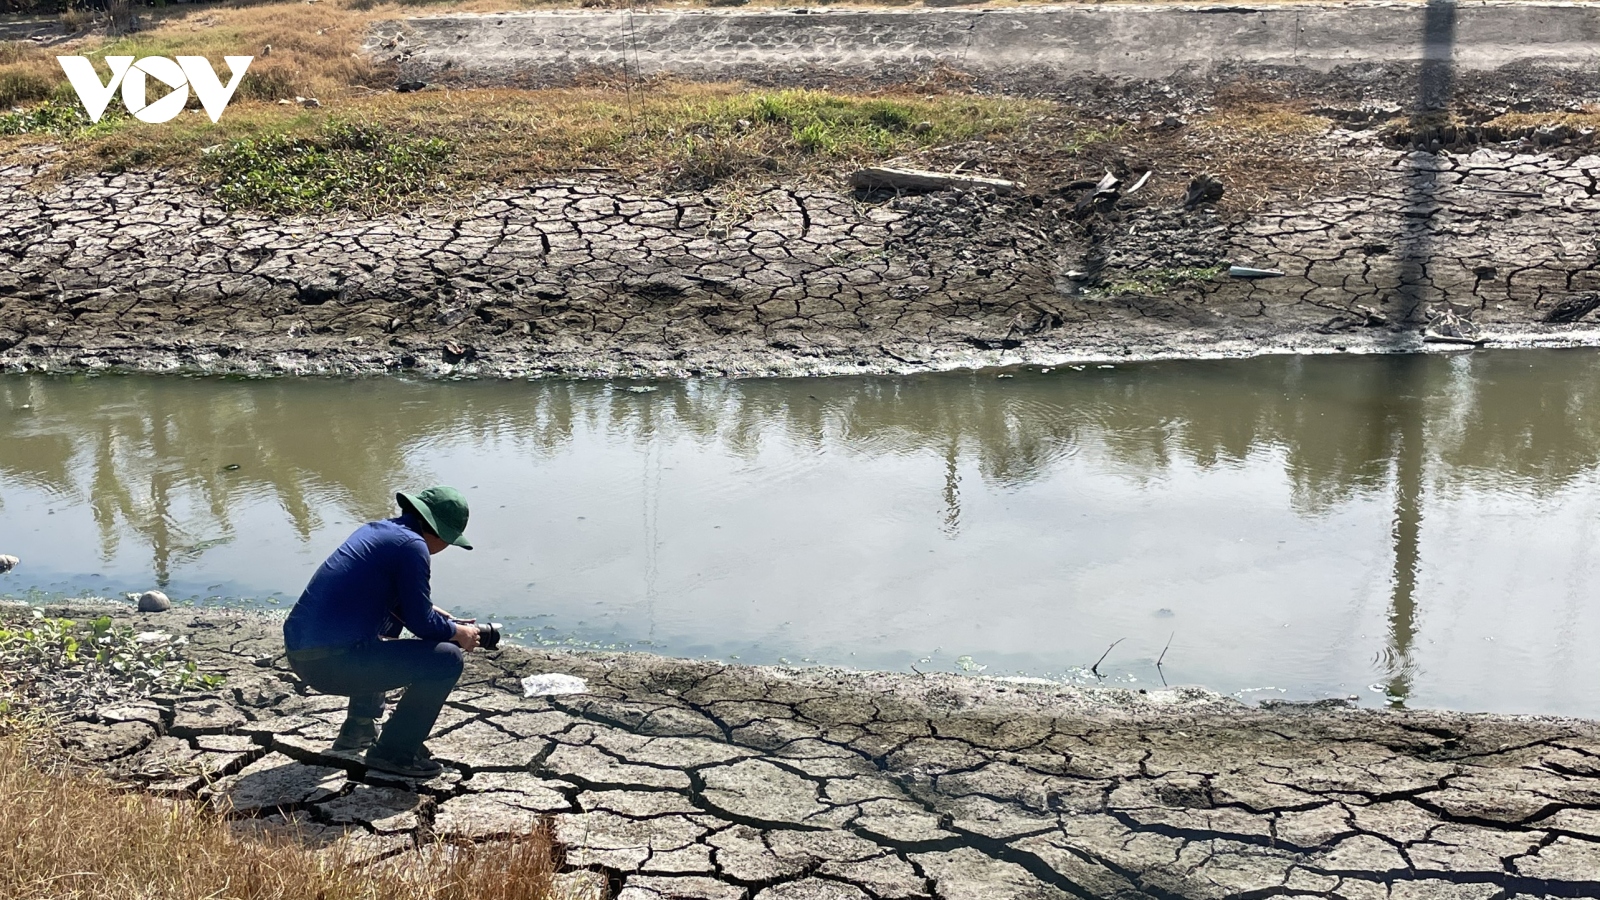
column 1119, row 41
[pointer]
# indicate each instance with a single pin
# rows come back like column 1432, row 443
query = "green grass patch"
column 342, row 166
column 824, row 123
column 705, row 137
column 1154, row 282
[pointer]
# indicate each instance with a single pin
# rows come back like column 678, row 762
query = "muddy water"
column 1406, row 530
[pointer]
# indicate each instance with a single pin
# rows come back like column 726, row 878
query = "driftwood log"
column 878, row 177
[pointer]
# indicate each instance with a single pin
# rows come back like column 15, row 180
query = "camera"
column 489, row 635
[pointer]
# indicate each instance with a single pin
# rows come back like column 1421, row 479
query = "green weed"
column 1088, row 137
column 98, row 647
column 46, row 118
column 826, row 124
column 341, row 166
column 816, row 138
column 1153, row 282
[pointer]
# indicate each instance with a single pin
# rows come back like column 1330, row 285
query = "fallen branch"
column 1096, row 667
column 923, row 180
column 1165, row 649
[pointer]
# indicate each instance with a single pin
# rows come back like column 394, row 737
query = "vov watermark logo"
column 133, row 77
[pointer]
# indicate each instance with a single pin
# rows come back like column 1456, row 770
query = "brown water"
column 1406, row 529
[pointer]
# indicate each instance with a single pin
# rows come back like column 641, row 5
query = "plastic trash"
column 553, row 683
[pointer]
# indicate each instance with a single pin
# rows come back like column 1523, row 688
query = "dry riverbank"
column 141, row 271
column 684, row 779
column 608, row 225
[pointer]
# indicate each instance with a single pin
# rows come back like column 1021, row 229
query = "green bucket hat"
column 443, row 508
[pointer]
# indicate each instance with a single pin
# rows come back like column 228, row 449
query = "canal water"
column 1406, row 530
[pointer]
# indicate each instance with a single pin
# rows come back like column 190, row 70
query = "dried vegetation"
column 74, row 834
column 685, row 135
column 674, row 135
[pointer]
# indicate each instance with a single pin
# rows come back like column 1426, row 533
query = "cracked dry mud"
column 681, row 779
column 140, row 270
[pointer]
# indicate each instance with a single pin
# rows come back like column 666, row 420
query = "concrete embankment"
column 680, row 779
column 1025, row 47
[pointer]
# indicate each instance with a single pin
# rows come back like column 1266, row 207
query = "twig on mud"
column 1096, row 667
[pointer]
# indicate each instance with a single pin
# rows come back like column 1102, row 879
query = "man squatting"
column 342, row 634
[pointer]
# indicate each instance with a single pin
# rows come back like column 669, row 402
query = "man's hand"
column 446, row 613
column 467, row 636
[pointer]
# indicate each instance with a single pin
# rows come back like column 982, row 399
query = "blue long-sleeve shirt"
column 378, row 576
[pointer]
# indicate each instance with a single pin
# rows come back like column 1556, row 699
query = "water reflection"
column 142, row 449
column 1403, row 414
column 1059, row 486
column 166, row 461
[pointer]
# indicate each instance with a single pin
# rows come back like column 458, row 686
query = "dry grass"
column 1263, row 149
column 1588, row 117
column 74, row 835
column 686, row 135
column 28, row 74
column 313, row 50
column 689, row 135
column 1260, row 151
column 314, row 46
column 1567, row 133
column 1267, row 122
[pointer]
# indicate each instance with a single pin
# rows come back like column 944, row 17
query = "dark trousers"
column 428, row 670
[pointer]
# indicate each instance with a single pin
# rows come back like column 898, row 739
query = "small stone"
column 1202, row 190
column 154, row 601
column 7, row 563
